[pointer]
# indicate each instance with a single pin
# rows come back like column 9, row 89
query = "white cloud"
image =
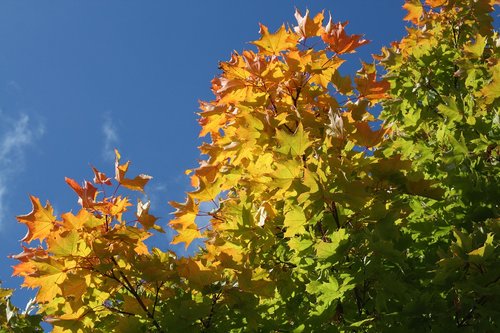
column 3, row 190
column 15, row 135
column 110, row 138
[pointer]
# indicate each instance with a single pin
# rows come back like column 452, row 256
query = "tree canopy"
column 330, row 215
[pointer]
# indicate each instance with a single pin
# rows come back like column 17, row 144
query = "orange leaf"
column 306, row 27
column 49, row 276
column 72, row 222
column 367, row 83
column 136, row 184
column 436, row 3
column 40, row 221
column 415, row 10
column 101, row 178
column 338, row 41
column 87, row 193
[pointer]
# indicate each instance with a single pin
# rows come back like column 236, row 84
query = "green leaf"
column 450, row 109
column 476, row 49
column 294, row 144
column 325, row 250
column 65, row 244
column 294, row 221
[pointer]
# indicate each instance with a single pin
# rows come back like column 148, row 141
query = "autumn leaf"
column 436, row 3
column 368, row 85
column 491, row 91
column 40, row 221
column 274, row 44
column 337, row 39
column 476, row 49
column 323, row 69
column 307, row 27
column 366, row 136
column 415, row 10
column 49, row 275
column 147, row 220
column 100, row 178
column 186, row 236
column 64, row 244
column 137, row 183
column 295, row 221
column 87, row 193
column 294, row 144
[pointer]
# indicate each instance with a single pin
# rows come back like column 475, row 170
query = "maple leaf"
column 40, row 221
column 491, row 91
column 342, row 83
column 119, row 206
column 415, row 10
column 147, row 220
column 368, row 86
column 337, row 39
column 83, row 219
column 187, row 236
column 274, row 44
column 366, row 136
column 72, row 222
column 48, row 276
column 294, row 221
column 323, row 69
column 294, row 144
column 24, row 268
column 196, row 272
column 136, row 184
column 63, row 244
column 100, row 178
column 306, row 27
column 436, row 3
column 75, row 286
column 87, row 193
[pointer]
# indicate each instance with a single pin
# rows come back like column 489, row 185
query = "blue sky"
column 79, row 78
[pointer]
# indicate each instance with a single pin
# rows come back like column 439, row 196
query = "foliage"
column 328, row 216
column 13, row 320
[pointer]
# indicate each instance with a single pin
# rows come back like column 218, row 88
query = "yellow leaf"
column 476, row 49
column 75, row 286
column 273, row 44
column 415, row 10
column 436, row 3
column 294, row 221
column 49, row 276
column 136, row 184
column 492, row 90
column 64, row 244
column 40, row 221
column 186, row 236
column 294, row 144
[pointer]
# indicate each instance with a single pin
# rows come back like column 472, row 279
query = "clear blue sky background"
column 78, row 78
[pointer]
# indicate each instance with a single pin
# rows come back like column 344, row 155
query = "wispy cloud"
column 16, row 134
column 110, row 137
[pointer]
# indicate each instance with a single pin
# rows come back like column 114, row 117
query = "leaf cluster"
column 327, row 215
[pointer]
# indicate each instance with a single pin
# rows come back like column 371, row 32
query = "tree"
column 328, row 216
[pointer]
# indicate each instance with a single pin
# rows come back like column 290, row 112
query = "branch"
column 158, row 287
column 335, row 214
column 208, row 322
column 127, row 285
